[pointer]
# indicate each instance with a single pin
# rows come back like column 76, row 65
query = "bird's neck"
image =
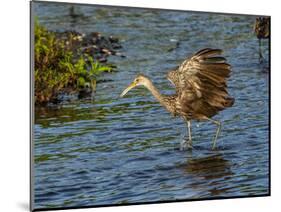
column 155, row 92
column 163, row 100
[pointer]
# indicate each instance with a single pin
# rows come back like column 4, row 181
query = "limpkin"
column 201, row 90
column 262, row 31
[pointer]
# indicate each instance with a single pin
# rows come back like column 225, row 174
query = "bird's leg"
column 187, row 144
column 217, row 132
column 189, row 133
column 260, row 52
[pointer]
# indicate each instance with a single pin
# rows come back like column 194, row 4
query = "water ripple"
column 113, row 151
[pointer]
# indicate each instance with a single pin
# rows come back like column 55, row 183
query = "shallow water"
column 112, row 150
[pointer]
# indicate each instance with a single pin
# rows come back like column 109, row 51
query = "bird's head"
column 139, row 80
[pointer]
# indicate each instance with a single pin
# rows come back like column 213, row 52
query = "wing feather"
column 201, row 82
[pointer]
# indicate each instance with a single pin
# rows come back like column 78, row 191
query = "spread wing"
column 203, row 77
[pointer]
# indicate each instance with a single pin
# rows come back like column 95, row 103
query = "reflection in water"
column 75, row 16
column 72, row 13
column 212, row 169
column 209, row 167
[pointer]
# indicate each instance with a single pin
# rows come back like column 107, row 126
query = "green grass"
column 59, row 68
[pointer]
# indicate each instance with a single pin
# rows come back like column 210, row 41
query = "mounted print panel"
column 138, row 105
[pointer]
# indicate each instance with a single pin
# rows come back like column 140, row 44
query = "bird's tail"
column 229, row 102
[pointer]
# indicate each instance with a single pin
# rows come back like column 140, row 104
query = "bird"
column 200, row 90
column 262, row 31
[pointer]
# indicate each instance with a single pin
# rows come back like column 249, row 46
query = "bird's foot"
column 186, row 145
column 214, row 147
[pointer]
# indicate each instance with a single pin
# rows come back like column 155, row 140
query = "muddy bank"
column 68, row 64
column 95, row 44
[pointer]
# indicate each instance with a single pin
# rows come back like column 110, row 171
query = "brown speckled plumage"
column 262, row 27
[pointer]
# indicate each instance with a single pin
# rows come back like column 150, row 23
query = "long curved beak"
column 132, row 85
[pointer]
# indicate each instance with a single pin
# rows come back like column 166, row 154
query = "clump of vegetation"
column 59, row 69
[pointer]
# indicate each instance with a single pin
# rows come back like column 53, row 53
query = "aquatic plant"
column 60, row 69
